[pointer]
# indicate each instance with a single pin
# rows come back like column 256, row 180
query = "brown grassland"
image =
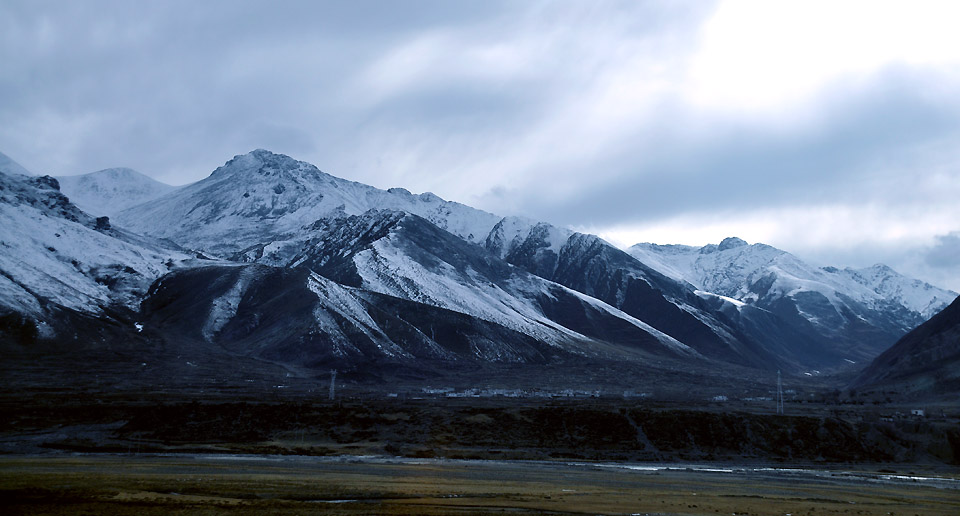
column 147, row 485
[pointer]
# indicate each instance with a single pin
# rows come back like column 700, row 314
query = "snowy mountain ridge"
column 759, row 274
column 109, row 191
column 272, row 196
column 389, row 275
column 402, row 255
column 54, row 253
column 272, row 209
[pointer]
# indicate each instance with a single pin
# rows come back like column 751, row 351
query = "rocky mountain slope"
column 109, row 191
column 405, row 256
column 924, row 361
column 57, row 259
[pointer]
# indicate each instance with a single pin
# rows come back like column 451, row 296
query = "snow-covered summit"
column 109, row 191
column 260, row 196
column 731, row 243
column 915, row 295
column 762, row 274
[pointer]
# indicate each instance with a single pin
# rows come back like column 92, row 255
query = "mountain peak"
column 264, row 163
column 883, row 268
column 731, row 243
column 111, row 190
column 254, row 197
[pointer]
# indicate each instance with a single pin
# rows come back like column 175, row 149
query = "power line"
column 333, row 383
column 779, row 394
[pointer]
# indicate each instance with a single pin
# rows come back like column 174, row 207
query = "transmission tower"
column 333, row 383
column 779, row 394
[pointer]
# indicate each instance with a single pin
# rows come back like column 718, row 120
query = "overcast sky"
column 829, row 129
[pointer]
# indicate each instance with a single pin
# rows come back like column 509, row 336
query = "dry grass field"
column 241, row 485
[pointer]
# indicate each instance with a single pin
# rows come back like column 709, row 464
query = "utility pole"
column 779, row 394
column 333, row 383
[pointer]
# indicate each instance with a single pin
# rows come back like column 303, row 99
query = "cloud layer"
column 830, row 130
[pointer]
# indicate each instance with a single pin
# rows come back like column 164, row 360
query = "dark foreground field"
column 241, row 485
column 120, row 453
column 490, row 429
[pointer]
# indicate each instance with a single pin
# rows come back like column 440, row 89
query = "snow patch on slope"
column 616, row 312
column 385, row 269
column 341, row 300
column 706, row 295
column 225, row 307
column 72, row 265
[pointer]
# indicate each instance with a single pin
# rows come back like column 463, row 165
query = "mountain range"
column 272, row 261
column 863, row 310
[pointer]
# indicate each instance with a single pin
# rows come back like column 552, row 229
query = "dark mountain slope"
column 590, row 265
column 406, row 256
column 925, row 361
column 299, row 319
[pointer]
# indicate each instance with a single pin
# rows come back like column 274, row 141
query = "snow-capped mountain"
column 394, row 286
column 56, row 257
column 271, row 209
column 261, row 196
column 317, row 271
column 848, row 303
column 261, row 206
column 405, row 256
column 591, row 266
column 109, row 191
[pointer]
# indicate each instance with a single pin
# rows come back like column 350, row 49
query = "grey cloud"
column 867, row 137
column 945, row 253
column 176, row 88
column 180, row 85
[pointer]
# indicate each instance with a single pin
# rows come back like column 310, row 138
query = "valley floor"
column 236, row 452
column 240, row 485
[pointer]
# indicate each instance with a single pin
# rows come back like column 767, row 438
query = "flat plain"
column 240, row 485
column 122, row 453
